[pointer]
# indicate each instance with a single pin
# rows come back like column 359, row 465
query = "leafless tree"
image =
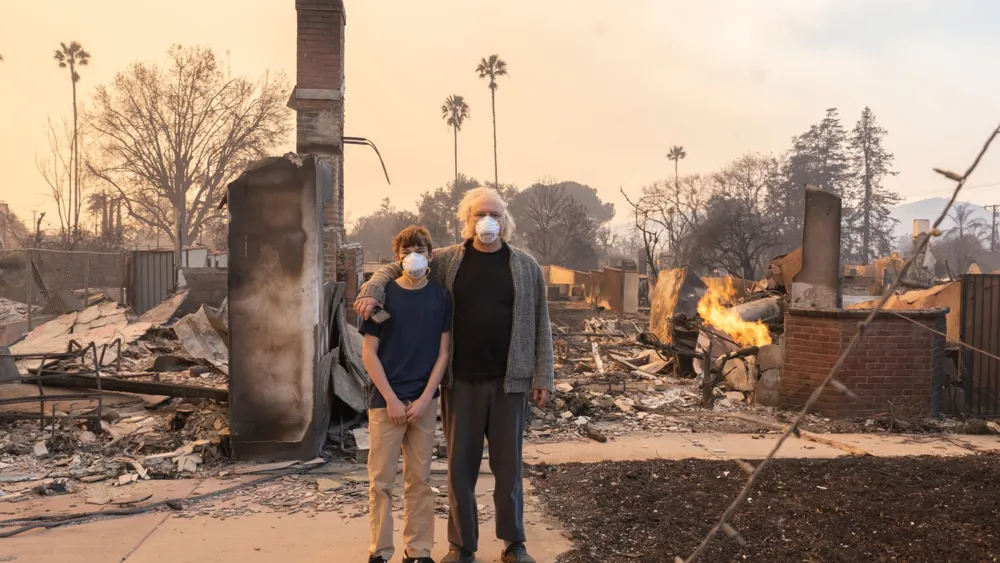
column 649, row 229
column 734, row 237
column 607, row 240
column 57, row 169
column 741, row 222
column 666, row 216
column 181, row 133
column 558, row 229
column 749, row 179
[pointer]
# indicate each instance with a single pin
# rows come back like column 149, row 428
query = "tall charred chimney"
column 318, row 99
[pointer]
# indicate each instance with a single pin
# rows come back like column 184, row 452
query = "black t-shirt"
column 484, row 314
column 410, row 340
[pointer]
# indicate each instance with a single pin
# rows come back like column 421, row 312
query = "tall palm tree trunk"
column 493, row 101
column 75, row 175
column 677, row 181
column 454, row 186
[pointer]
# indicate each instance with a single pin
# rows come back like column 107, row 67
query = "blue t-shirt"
column 410, row 340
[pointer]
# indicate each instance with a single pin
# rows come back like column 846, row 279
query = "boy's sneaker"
column 417, row 560
column 376, row 559
column 516, row 553
column 459, row 555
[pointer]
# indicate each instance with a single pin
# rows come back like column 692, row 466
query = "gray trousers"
column 471, row 411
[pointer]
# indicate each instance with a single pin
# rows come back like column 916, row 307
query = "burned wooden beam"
column 139, row 387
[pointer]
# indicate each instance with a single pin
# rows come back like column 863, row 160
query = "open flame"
column 713, row 308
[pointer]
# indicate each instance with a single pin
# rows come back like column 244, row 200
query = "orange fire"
column 713, row 308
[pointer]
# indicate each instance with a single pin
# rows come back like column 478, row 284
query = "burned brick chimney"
column 318, row 99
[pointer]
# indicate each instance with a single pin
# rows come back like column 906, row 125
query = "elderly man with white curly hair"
column 501, row 350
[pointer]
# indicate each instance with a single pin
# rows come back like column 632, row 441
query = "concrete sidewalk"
column 327, row 536
column 163, row 537
column 749, row 446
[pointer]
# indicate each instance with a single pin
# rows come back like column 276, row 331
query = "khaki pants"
column 417, row 443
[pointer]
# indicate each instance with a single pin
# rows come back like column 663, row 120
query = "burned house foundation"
column 897, row 368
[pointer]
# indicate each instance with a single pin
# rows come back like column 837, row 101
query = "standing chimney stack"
column 318, row 99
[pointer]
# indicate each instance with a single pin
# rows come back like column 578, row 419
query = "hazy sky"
column 597, row 91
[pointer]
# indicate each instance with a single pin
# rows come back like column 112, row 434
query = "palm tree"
column 492, row 67
column 71, row 56
column 966, row 224
column 455, row 111
column 676, row 153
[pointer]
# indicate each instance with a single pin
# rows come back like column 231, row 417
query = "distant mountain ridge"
column 930, row 209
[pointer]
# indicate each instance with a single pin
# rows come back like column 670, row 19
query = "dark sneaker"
column 516, row 553
column 458, row 555
column 417, row 560
column 378, row 559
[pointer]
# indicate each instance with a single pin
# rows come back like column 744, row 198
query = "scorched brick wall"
column 894, row 368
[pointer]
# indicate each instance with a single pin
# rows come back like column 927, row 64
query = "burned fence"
column 36, row 285
column 980, row 331
column 151, row 278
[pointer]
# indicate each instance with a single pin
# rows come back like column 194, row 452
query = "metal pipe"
column 364, row 141
column 760, row 310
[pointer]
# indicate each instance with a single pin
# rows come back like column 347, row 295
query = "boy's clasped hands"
column 404, row 413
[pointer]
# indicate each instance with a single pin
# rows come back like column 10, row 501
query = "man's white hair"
column 468, row 222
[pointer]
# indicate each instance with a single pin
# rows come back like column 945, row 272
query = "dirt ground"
column 848, row 509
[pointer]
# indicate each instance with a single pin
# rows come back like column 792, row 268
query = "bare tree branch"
column 180, row 133
column 65, row 188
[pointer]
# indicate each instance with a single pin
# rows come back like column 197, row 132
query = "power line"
column 936, row 192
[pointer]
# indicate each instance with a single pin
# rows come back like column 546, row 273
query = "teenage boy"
column 406, row 357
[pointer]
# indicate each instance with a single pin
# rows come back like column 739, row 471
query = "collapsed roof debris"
column 151, row 413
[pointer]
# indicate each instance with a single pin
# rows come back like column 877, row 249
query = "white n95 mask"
column 487, row 230
column 415, row 266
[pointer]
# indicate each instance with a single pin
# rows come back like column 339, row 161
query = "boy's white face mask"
column 487, row 230
column 415, row 266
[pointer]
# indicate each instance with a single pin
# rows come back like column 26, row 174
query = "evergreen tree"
column 871, row 221
column 819, row 157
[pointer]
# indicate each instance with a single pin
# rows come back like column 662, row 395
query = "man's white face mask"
column 415, row 266
column 487, row 230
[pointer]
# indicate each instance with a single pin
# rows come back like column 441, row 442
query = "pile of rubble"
column 135, row 442
column 161, row 411
column 613, row 378
column 14, row 311
column 710, row 347
column 150, row 347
